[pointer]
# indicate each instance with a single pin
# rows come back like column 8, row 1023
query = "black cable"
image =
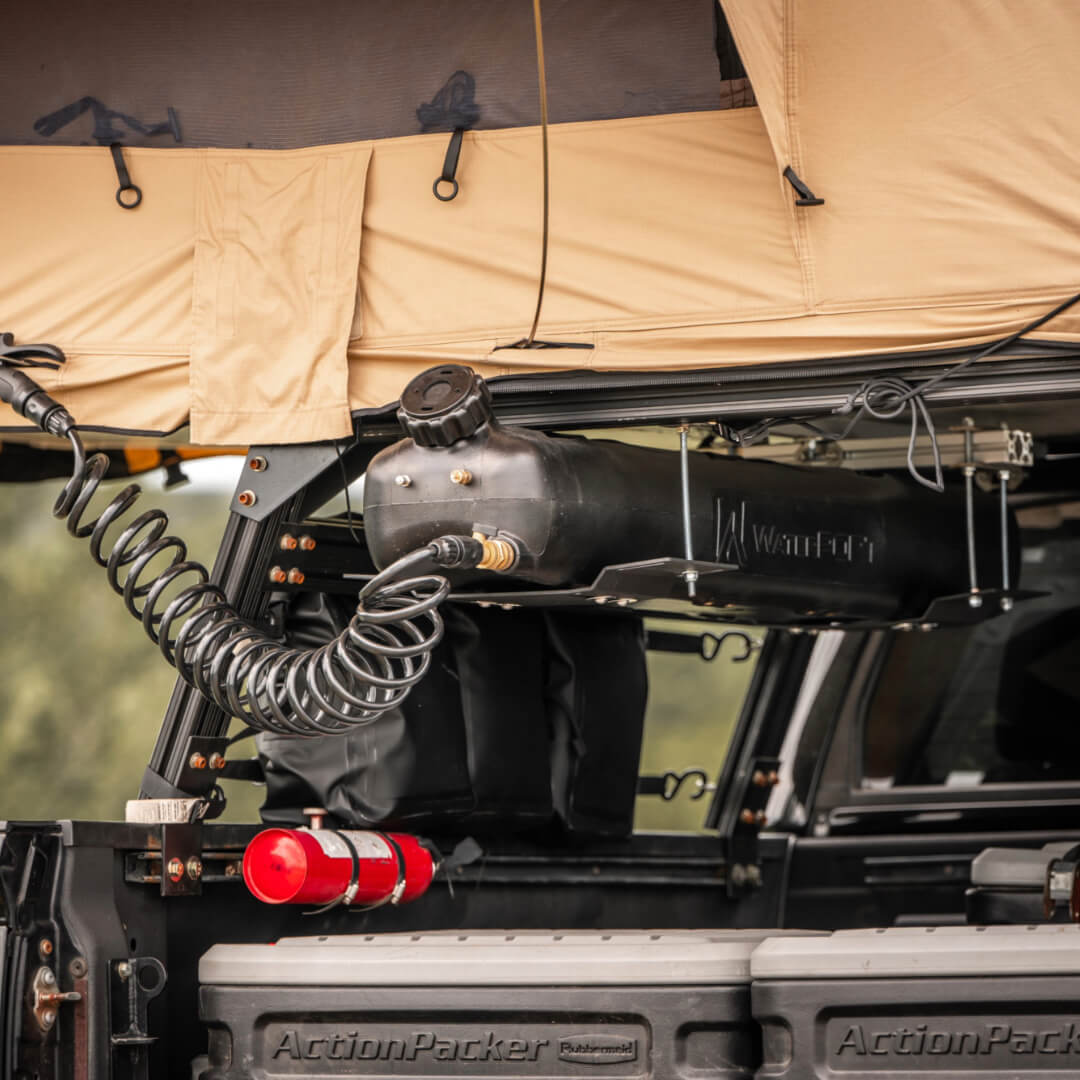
column 886, row 397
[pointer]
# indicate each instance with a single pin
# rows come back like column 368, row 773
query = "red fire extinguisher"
column 330, row 866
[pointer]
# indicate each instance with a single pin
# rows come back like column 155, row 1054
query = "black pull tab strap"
column 449, row 168
column 128, row 202
column 806, row 196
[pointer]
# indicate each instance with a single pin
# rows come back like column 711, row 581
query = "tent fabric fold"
column 266, row 293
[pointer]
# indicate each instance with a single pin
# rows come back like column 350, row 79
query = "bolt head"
column 257, row 464
column 974, row 600
column 295, row 577
column 461, row 476
column 194, row 868
column 48, row 1017
column 175, row 870
column 277, row 576
column 747, row 816
column 197, row 761
column 217, row 761
column 307, row 543
column 47, row 977
column 246, row 498
column 402, row 480
column 1006, row 603
column 45, row 947
column 759, row 779
column 123, row 969
column 287, row 542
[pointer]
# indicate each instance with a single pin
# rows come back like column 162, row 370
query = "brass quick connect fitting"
column 499, row 554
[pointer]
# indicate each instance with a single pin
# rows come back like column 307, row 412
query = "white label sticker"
column 368, row 845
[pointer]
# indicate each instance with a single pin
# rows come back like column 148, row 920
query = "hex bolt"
column 402, row 480
column 45, row 948
column 257, row 464
column 217, row 761
column 194, row 868
column 197, row 761
column 295, row 577
column 461, row 476
column 246, row 498
column 277, row 575
column 123, row 969
column 288, row 542
column 307, row 543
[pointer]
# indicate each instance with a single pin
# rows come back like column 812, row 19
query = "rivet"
column 197, row 761
column 277, row 575
column 257, row 464
column 307, row 543
column 288, row 542
column 246, row 498
column 295, row 577
column 461, row 476
column 402, row 480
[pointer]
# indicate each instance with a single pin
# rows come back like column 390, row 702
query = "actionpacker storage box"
column 938, row 1001
column 630, row 1004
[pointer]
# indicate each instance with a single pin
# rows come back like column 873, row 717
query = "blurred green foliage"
column 693, row 707
column 82, row 689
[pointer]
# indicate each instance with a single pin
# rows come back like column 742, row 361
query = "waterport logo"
column 738, row 537
column 417, row 1045
column 597, row 1049
column 920, row 1040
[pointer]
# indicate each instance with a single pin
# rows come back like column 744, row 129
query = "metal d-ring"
column 125, row 179
column 449, row 169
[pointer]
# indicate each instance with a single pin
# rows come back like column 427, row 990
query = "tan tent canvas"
column 266, row 291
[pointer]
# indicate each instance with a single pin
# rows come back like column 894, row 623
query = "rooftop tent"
column 290, row 262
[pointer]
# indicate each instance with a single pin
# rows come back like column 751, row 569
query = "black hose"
column 367, row 670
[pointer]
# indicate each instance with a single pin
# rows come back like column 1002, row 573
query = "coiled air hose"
column 364, row 672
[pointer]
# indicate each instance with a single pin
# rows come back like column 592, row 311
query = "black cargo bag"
column 525, row 718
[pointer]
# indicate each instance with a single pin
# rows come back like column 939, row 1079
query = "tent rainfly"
column 778, row 180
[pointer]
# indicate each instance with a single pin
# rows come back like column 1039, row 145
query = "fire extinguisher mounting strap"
column 396, row 893
column 349, row 893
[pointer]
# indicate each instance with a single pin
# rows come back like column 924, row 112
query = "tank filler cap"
column 445, row 404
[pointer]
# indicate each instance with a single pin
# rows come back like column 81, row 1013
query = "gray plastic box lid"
column 937, row 951
column 1016, row 867
column 491, row 958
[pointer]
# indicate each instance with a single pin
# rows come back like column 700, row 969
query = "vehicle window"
column 692, row 710
column 994, row 703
